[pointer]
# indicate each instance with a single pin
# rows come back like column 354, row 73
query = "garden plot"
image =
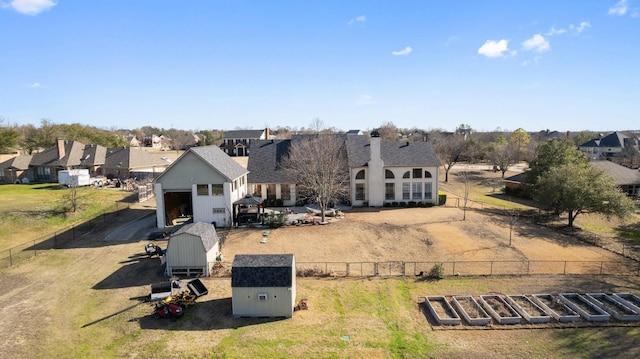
column 556, row 308
column 630, row 300
column 442, row 311
column 614, row 307
column 529, row 310
column 498, row 308
column 470, row 310
column 584, row 307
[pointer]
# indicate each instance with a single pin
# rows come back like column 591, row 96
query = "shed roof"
column 262, row 270
column 205, row 231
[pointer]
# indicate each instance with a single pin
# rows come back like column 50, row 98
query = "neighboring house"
column 127, row 162
column 390, row 171
column 263, row 285
column 626, row 179
column 202, row 184
column 15, row 169
column 133, row 141
column 381, row 171
column 192, row 250
column 606, row 147
column 238, row 143
column 354, row 133
column 44, row 166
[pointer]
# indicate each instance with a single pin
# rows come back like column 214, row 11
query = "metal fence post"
column 35, row 250
column 528, row 266
column 454, row 268
column 565, row 268
column 10, row 259
column 491, row 269
column 601, row 263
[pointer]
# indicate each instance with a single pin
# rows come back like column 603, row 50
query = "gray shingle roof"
column 262, row 270
column 265, row 159
column 250, row 134
column 73, row 154
column 218, row 160
column 621, row 175
column 393, row 153
column 206, row 232
column 131, row 158
column 614, row 139
column 16, row 163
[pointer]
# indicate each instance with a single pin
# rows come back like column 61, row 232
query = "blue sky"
column 227, row 64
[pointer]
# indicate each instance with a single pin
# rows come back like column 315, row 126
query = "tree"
column 502, row 155
column 552, row 154
column 466, row 181
column 388, row 132
column 576, row 188
column 8, row 137
column 519, row 141
column 319, row 166
column 450, row 149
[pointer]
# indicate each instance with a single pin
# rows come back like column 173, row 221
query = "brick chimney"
column 266, row 134
column 60, row 145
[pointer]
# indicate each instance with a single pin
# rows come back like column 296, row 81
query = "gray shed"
column 263, row 285
column 192, row 249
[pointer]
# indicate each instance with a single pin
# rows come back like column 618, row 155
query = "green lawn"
column 31, row 211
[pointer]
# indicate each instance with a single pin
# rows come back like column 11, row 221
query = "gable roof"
column 205, row 231
column 393, row 153
column 265, row 159
column 16, row 163
column 614, row 139
column 243, row 134
column 621, row 175
column 262, row 270
column 215, row 158
column 74, row 154
column 127, row 157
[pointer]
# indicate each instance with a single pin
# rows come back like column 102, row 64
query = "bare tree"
column 512, row 217
column 503, row 155
column 320, row 169
column 450, row 149
column 464, row 177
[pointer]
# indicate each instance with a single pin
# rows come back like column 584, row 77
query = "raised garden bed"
column 498, row 308
column 614, row 307
column 442, row 311
column 584, row 307
column 529, row 310
column 470, row 310
column 631, row 300
column 557, row 309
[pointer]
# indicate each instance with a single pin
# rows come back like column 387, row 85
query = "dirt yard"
column 49, row 299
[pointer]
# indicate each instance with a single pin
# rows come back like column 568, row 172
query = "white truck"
column 78, row 178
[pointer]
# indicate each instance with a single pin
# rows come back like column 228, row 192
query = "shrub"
column 278, row 203
column 386, row 204
column 442, row 198
column 412, row 204
column 275, row 220
column 394, row 204
column 437, row 271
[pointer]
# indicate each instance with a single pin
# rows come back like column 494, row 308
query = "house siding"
column 279, row 303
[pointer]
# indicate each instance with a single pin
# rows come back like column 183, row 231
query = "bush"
column 386, row 204
column 278, row 202
column 275, row 220
column 442, row 199
column 412, row 204
column 394, row 204
column 437, row 271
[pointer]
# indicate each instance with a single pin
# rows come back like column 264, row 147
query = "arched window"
column 407, row 175
column 388, row 174
column 427, row 174
column 360, row 175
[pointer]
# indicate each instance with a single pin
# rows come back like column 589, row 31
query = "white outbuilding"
column 192, row 250
column 263, row 285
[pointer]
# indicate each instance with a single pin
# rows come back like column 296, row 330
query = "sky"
column 562, row 65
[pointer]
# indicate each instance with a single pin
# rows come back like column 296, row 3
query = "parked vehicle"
column 78, row 178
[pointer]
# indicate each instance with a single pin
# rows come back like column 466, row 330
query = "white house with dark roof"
column 391, row 171
column 200, row 185
column 263, row 285
column 239, row 142
column 608, row 146
column 381, row 171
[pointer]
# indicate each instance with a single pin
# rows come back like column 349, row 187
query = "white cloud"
column 493, row 48
column 619, row 9
column 406, row 51
column 555, row 31
column 359, row 19
column 580, row 28
column 35, row 85
column 365, row 100
column 451, row 40
column 534, row 61
column 537, row 43
column 30, row 7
